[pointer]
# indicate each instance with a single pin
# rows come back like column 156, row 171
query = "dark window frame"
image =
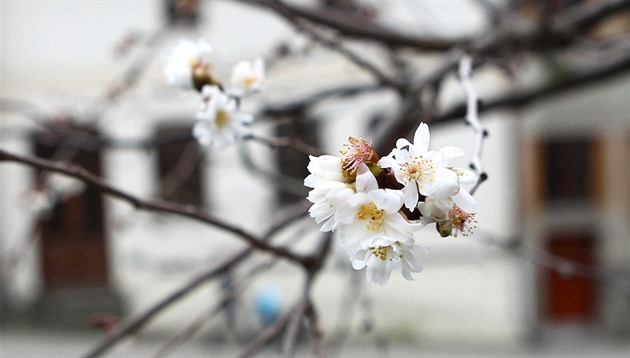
column 180, row 177
column 569, row 169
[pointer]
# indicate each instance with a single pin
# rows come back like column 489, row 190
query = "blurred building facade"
column 558, row 181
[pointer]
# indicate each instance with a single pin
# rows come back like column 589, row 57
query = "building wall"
column 600, row 114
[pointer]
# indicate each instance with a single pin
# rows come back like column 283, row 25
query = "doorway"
column 570, row 297
column 73, row 248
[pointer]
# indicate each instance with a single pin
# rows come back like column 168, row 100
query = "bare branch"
column 472, row 119
column 312, row 316
column 291, row 142
column 351, row 28
column 305, row 103
column 334, row 45
column 228, row 296
column 136, row 323
column 561, row 32
column 133, row 325
column 273, row 330
column 188, row 211
column 559, row 264
column 523, row 98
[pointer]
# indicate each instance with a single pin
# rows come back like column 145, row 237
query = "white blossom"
column 247, row 77
column 329, row 189
column 381, row 257
column 326, row 197
column 372, row 213
column 358, row 195
column 415, row 167
column 452, row 215
column 323, row 168
column 186, row 59
column 219, row 121
column 424, row 172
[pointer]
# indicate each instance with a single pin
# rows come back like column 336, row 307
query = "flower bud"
column 445, row 228
column 202, row 75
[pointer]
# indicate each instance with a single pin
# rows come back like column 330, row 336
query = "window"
column 182, row 12
column 179, row 165
column 569, row 169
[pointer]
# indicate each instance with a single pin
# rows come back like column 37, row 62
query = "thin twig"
column 272, row 331
column 472, row 119
column 372, row 32
column 233, row 291
column 345, row 315
column 300, row 105
column 559, row 264
column 126, row 329
column 290, row 142
column 578, row 79
column 289, row 340
column 188, row 211
column 335, row 45
column 312, row 317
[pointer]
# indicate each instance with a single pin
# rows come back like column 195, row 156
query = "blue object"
column 268, row 304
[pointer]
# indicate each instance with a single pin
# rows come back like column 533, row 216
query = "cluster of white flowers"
column 219, row 120
column 377, row 204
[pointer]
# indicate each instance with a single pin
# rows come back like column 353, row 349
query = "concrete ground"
column 22, row 342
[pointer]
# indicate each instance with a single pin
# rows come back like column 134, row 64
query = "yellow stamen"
column 461, row 221
column 222, row 119
column 374, row 216
column 379, row 252
column 419, row 170
column 249, row 81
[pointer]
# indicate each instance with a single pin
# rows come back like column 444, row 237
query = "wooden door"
column 72, row 236
column 571, row 297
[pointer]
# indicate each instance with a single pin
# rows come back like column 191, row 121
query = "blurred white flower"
column 187, row 60
column 63, row 186
column 219, row 121
column 40, row 202
column 247, row 77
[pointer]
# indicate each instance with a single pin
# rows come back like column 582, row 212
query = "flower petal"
column 365, row 179
column 465, row 201
column 422, row 137
column 411, row 195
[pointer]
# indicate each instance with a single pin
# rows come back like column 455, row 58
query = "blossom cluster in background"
column 378, row 204
column 219, row 119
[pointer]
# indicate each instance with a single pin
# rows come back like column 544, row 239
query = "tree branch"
column 354, row 29
column 188, row 211
column 273, row 330
column 472, row 119
column 124, row 330
column 335, row 45
column 520, row 99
